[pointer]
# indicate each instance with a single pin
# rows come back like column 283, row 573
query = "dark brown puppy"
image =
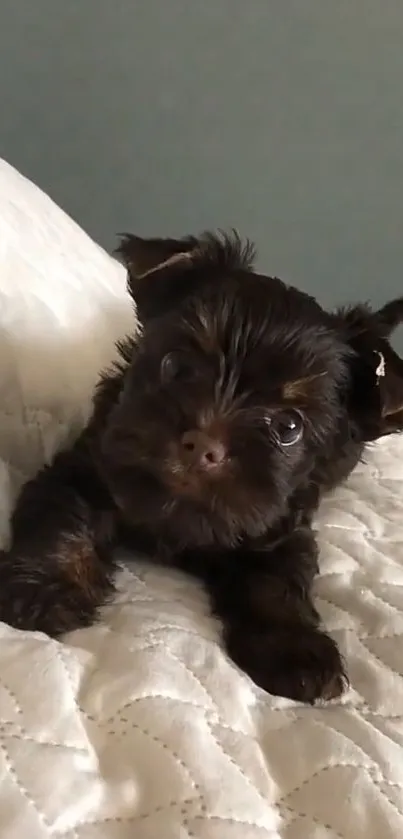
column 209, row 448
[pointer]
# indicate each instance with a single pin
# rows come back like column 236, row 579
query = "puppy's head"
column 230, row 395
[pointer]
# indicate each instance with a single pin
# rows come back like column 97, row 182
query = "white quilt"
column 140, row 727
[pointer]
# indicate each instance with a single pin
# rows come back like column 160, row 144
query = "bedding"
column 140, row 726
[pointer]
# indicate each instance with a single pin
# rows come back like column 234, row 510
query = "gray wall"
column 283, row 118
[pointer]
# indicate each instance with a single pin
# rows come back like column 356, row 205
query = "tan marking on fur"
column 299, row 389
column 77, row 557
column 182, row 257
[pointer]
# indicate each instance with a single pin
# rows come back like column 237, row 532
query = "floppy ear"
column 155, row 271
column 144, row 255
column 161, row 272
column 377, row 370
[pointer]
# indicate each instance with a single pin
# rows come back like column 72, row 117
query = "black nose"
column 200, row 450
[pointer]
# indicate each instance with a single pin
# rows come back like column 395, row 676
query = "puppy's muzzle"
column 202, row 452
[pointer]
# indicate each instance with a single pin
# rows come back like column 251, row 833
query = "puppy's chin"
column 195, row 483
column 186, row 509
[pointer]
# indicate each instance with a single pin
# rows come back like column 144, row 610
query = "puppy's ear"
column 161, row 272
column 377, row 370
column 155, row 271
column 391, row 366
column 140, row 256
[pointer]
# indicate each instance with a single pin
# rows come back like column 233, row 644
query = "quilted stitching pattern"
column 141, row 727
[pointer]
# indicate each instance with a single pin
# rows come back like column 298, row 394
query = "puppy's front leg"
column 271, row 627
column 59, row 569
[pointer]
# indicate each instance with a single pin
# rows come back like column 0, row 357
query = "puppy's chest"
column 202, row 561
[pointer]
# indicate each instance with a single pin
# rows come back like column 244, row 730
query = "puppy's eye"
column 175, row 367
column 288, row 427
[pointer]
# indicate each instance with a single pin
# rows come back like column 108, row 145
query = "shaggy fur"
column 209, row 448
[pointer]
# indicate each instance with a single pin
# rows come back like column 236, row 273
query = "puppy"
column 209, row 448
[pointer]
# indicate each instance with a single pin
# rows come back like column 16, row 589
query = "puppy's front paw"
column 303, row 664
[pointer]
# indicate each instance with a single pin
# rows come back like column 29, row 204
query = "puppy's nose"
column 201, row 450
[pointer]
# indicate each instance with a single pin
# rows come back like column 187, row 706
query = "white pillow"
column 63, row 304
